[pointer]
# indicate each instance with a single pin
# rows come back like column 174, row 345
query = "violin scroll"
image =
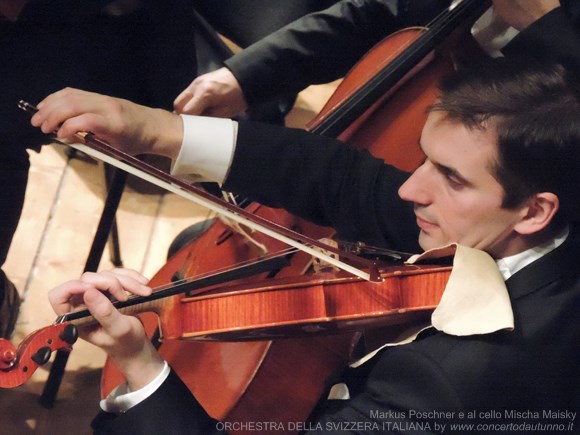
column 18, row 364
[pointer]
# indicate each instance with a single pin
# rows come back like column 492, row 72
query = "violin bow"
column 100, row 150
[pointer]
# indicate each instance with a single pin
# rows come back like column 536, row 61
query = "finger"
column 61, row 297
column 182, row 99
column 196, row 105
column 66, row 105
column 87, row 122
column 105, row 282
column 116, row 284
column 112, row 321
column 130, row 281
column 56, row 96
column 55, row 111
column 132, row 273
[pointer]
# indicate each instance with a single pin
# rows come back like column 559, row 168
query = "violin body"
column 226, row 336
column 391, row 127
column 277, row 380
column 320, row 303
column 382, row 104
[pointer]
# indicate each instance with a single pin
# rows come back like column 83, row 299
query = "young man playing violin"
column 125, row 48
column 501, row 174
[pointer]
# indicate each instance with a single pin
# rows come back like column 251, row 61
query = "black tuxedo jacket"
column 519, row 376
column 324, row 45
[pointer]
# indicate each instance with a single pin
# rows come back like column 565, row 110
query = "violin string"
column 200, row 282
column 220, row 270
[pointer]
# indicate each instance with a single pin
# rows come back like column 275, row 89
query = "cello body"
column 244, row 370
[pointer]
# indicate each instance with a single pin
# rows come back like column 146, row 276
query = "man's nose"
column 416, row 189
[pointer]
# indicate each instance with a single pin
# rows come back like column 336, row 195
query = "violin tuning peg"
column 69, row 334
column 41, row 356
column 7, row 354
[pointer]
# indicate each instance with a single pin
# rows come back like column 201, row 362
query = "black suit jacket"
column 324, row 45
column 533, row 369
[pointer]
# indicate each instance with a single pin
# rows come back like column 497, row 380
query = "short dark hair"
column 535, row 109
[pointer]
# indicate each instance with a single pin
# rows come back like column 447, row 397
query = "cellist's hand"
column 121, row 337
column 133, row 128
column 521, row 13
column 217, row 93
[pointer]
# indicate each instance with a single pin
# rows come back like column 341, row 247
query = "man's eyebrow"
column 451, row 172
column 446, row 170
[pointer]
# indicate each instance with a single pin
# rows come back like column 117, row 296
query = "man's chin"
column 427, row 242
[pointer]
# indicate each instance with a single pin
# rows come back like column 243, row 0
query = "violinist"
column 501, row 174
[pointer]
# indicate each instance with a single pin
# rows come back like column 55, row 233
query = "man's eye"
column 453, row 181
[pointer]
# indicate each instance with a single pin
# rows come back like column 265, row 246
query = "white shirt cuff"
column 121, row 399
column 207, row 148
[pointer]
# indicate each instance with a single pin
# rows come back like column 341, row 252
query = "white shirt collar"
column 512, row 264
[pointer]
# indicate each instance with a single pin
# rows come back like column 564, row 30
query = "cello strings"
column 413, row 55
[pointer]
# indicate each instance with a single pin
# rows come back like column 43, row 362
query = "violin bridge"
column 244, row 232
column 319, row 265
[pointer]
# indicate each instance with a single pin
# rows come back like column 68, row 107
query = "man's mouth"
column 424, row 224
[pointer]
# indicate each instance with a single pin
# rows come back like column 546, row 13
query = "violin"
column 329, row 303
column 314, row 320
column 391, row 129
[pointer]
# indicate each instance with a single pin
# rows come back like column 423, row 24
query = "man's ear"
column 540, row 210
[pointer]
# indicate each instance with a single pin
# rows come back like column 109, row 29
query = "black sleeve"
column 61, row 9
column 399, row 381
column 322, row 46
column 171, row 410
column 399, row 394
column 324, row 181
